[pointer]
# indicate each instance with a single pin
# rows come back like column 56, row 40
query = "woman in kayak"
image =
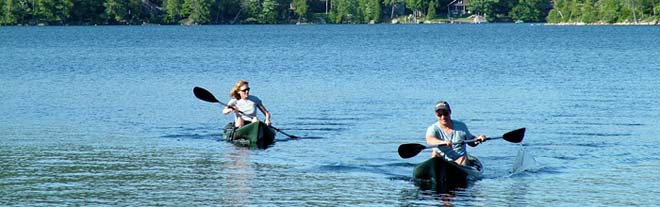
column 244, row 105
column 450, row 135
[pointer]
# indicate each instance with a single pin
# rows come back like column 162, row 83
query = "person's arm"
column 266, row 114
column 433, row 141
column 469, row 136
column 230, row 107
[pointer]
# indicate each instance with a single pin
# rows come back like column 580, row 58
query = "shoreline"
column 653, row 23
column 394, row 21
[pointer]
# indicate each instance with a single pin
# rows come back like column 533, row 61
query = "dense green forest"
column 605, row 11
column 121, row 12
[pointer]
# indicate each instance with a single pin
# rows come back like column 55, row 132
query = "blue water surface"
column 106, row 115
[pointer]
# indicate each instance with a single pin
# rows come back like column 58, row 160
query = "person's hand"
column 435, row 153
column 267, row 122
column 480, row 139
column 233, row 108
column 448, row 143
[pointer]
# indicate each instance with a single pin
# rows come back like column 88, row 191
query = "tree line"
column 604, row 11
column 113, row 12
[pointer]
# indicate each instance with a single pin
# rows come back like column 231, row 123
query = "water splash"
column 524, row 162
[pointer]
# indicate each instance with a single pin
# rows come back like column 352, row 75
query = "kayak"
column 441, row 175
column 253, row 135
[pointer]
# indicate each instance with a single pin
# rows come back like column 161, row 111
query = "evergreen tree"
column 268, row 13
column 53, row 11
column 491, row 9
column 656, row 11
column 565, row 8
column 7, row 12
column 254, row 10
column 629, row 11
column 300, row 8
column 368, row 10
column 609, row 10
column 588, row 12
column 528, row 10
column 342, row 11
column 430, row 14
column 24, row 11
column 416, row 6
column 173, row 11
column 553, row 16
column 198, row 11
column 360, row 12
column 115, row 11
column 574, row 7
column 375, row 10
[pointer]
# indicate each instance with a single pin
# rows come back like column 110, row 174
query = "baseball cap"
column 442, row 105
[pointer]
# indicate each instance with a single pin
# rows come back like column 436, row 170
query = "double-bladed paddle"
column 412, row 149
column 207, row 96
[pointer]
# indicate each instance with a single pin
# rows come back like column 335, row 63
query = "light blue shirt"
column 248, row 106
column 457, row 137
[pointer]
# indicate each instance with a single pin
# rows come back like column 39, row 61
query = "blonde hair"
column 234, row 91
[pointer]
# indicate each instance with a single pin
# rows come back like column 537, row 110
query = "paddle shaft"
column 467, row 141
column 276, row 129
column 412, row 149
column 205, row 95
column 239, row 111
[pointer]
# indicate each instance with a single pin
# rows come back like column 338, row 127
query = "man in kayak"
column 450, row 135
column 244, row 105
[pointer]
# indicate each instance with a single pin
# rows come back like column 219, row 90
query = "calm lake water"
column 106, row 115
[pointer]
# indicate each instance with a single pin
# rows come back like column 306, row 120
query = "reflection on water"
column 420, row 197
column 239, row 173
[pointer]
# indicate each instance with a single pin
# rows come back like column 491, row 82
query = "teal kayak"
column 441, row 175
column 253, row 135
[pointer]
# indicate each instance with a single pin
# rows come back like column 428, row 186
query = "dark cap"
column 442, row 105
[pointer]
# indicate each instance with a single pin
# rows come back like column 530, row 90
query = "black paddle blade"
column 515, row 136
column 410, row 150
column 204, row 95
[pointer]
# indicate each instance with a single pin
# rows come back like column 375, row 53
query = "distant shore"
column 641, row 23
column 396, row 21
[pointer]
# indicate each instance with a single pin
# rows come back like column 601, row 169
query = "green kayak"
column 253, row 135
column 441, row 175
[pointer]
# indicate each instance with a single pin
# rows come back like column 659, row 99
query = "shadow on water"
column 435, row 189
column 192, row 136
column 192, row 133
column 428, row 195
column 372, row 168
column 306, row 128
column 389, row 170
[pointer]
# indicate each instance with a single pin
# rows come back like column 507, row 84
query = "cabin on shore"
column 456, row 8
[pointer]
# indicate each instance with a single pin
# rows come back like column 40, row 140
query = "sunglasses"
column 245, row 90
column 442, row 113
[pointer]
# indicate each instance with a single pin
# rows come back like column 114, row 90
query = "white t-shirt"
column 457, row 137
column 248, row 106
